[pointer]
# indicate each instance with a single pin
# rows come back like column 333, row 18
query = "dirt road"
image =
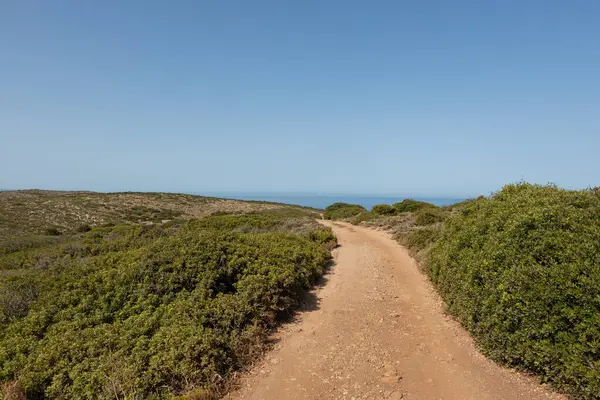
column 376, row 330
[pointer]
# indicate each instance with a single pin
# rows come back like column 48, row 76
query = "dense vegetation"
column 411, row 205
column 383, row 209
column 427, row 213
column 150, row 311
column 429, row 216
column 342, row 210
column 521, row 271
column 356, row 214
column 157, row 309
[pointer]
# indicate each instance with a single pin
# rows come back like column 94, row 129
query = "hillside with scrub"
column 33, row 212
column 161, row 296
column 165, row 301
column 520, row 270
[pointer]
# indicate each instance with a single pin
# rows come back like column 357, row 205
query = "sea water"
column 322, row 201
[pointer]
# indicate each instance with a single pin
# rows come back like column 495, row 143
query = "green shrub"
column 142, row 213
column 383, row 209
column 362, row 217
column 136, row 311
column 16, row 295
column 245, row 222
column 83, row 228
column 429, row 216
column 461, row 205
column 342, row 211
column 17, row 244
column 289, row 212
column 324, row 237
column 52, row 231
column 521, row 271
column 420, row 239
column 197, row 394
column 411, row 205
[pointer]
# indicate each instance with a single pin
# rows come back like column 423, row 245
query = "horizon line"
column 212, row 193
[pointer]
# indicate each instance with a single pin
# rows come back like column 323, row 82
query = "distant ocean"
column 322, row 201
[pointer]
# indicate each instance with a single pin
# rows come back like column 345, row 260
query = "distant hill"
column 26, row 212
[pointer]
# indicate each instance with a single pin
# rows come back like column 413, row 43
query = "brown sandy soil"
column 376, row 330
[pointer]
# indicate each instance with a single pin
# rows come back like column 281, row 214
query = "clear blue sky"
column 419, row 97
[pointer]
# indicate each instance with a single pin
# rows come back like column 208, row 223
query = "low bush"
column 83, row 228
column 52, row 231
column 411, row 205
column 16, row 295
column 429, row 216
column 363, row 217
column 383, row 209
column 245, row 222
column 521, row 271
column 142, row 213
column 420, row 239
column 324, row 237
column 342, row 211
column 21, row 243
column 461, row 205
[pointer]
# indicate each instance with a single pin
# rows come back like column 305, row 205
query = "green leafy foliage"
column 383, row 209
column 342, row 211
column 521, row 271
column 461, row 205
column 363, row 217
column 420, row 239
column 324, row 237
column 137, row 311
column 429, row 216
column 27, row 242
column 411, row 205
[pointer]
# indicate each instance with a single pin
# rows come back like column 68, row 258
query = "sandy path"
column 377, row 330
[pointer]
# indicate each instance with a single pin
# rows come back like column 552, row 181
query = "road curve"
column 376, row 330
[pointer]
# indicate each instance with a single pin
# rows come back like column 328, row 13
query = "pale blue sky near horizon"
column 428, row 98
